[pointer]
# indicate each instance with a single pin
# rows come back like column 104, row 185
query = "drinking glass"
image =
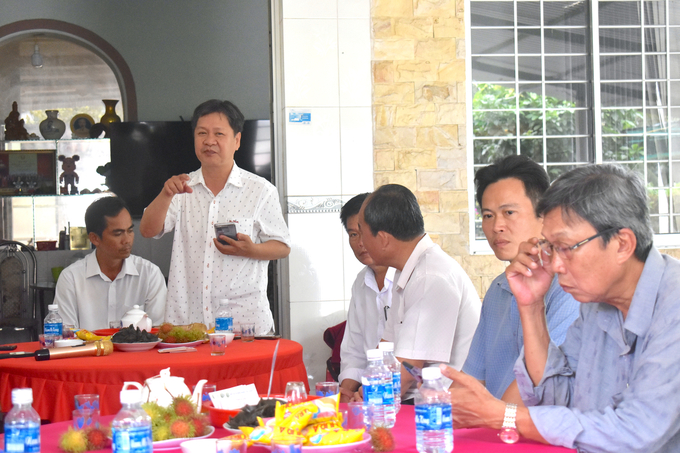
column 89, row 401
column 67, row 331
column 218, row 343
column 85, row 418
column 327, row 388
column 47, row 341
column 247, row 331
column 359, row 415
column 232, row 444
column 296, row 392
column 287, row 444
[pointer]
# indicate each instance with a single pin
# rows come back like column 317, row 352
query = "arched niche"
column 48, row 29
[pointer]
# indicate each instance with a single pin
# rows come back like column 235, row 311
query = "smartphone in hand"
column 414, row 371
column 225, row 229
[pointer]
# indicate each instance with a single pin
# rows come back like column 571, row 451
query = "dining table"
column 55, row 382
column 474, row 440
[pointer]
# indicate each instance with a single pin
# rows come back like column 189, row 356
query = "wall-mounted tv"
column 145, row 154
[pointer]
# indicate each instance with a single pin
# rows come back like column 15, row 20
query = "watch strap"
column 510, row 416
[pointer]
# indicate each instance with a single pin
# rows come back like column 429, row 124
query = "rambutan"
column 156, row 412
column 181, row 428
column 73, row 441
column 381, row 439
column 96, row 439
column 161, row 432
column 183, row 407
column 200, row 423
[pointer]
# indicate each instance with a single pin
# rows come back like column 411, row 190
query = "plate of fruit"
column 173, row 336
column 131, row 339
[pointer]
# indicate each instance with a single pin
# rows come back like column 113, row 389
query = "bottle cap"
column 432, row 372
column 22, row 396
column 374, row 354
column 53, row 307
column 386, row 346
column 132, row 396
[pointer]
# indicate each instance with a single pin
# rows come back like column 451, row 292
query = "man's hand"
column 529, row 280
column 177, row 184
column 244, row 246
column 471, row 403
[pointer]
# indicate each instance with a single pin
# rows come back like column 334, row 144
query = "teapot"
column 163, row 388
column 138, row 318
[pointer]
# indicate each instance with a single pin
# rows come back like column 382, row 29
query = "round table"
column 464, row 440
column 55, row 382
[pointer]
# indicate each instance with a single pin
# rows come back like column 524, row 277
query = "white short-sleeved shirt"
column 199, row 274
column 88, row 299
column 435, row 308
column 366, row 317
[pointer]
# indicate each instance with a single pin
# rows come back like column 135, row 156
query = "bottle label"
column 53, row 328
column 132, row 440
column 22, row 440
column 224, row 324
column 378, row 393
column 430, row 417
column 396, row 384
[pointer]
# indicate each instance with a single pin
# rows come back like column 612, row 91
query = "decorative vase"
column 52, row 128
column 110, row 113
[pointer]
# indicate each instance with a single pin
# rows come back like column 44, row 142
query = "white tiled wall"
column 327, row 72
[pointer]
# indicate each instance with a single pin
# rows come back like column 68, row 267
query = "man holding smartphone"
column 203, row 269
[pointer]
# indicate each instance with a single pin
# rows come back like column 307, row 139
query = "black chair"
column 18, row 273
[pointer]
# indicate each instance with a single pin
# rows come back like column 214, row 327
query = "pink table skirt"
column 465, row 440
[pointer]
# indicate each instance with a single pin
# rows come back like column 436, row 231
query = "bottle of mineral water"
column 53, row 322
column 434, row 427
column 131, row 428
column 224, row 320
column 378, row 391
column 22, row 424
column 391, row 362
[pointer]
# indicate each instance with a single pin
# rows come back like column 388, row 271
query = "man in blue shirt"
column 614, row 383
column 508, row 192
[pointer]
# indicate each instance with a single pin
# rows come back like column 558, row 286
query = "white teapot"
column 138, row 318
column 163, row 388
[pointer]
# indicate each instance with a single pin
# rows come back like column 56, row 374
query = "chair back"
column 18, row 274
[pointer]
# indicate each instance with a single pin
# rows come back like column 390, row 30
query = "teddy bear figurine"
column 69, row 176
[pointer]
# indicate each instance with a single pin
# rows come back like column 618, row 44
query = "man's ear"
column 385, row 239
column 96, row 240
column 627, row 242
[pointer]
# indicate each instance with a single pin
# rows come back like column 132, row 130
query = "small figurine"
column 69, row 176
column 14, row 127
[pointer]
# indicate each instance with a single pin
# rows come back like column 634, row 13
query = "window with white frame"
column 570, row 83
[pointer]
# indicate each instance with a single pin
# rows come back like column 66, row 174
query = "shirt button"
column 206, row 286
column 208, row 265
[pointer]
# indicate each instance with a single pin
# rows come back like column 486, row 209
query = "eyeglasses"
column 566, row 253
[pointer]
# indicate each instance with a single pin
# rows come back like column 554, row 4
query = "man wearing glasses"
column 613, row 384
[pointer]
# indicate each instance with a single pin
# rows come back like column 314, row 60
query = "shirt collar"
column 423, row 245
column 92, row 267
column 235, row 177
column 369, row 279
column 641, row 308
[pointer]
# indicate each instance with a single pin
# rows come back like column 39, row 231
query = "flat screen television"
column 145, row 154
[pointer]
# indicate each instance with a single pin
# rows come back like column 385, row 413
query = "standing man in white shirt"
column 368, row 308
column 108, row 282
column 435, row 307
column 202, row 269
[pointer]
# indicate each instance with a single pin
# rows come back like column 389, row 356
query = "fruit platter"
column 171, row 334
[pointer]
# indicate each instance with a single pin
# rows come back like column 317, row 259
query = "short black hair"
column 96, row 213
column 532, row 175
column 394, row 209
column 226, row 108
column 352, row 207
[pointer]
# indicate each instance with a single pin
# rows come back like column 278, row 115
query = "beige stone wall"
column 419, row 118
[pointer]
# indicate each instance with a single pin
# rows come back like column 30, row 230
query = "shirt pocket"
column 244, row 225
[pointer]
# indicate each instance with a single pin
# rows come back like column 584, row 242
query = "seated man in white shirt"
column 101, row 287
column 435, row 307
column 368, row 308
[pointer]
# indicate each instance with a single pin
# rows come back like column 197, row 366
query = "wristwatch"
column 509, row 433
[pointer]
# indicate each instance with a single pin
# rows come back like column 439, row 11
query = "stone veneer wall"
column 419, row 118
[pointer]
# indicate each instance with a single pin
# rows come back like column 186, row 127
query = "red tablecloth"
column 464, row 440
column 56, row 382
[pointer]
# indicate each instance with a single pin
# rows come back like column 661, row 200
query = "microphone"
column 97, row 348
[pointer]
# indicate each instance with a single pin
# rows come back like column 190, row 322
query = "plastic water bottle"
column 22, row 424
column 224, row 321
column 131, row 428
column 53, row 322
column 391, row 362
column 434, row 427
column 378, row 391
